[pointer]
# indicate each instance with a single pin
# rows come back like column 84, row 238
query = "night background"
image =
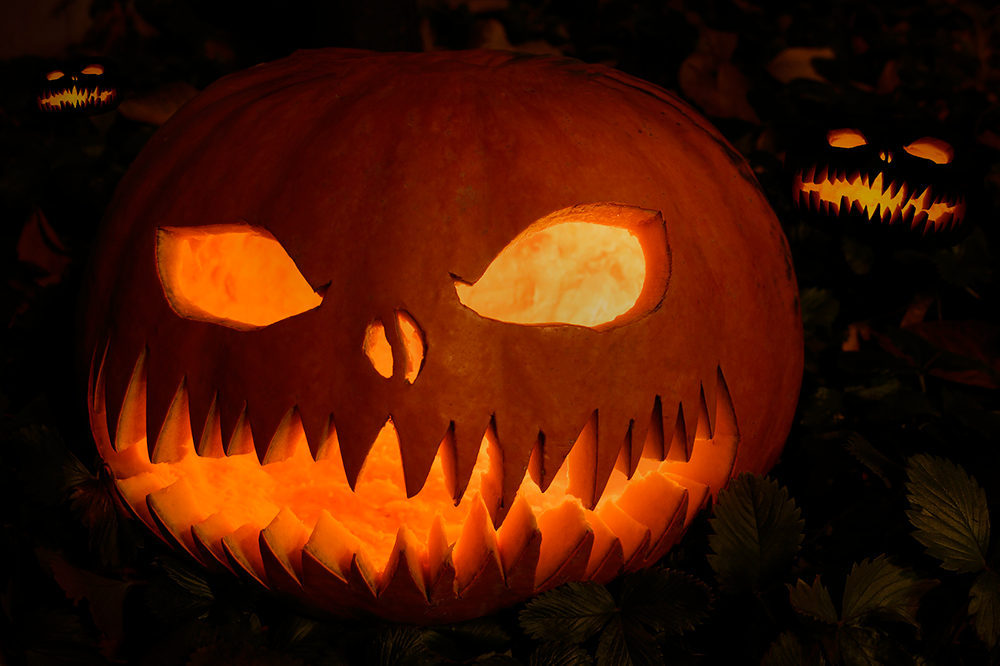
column 898, row 410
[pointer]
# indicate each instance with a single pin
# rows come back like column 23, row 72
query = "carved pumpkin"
column 421, row 335
column 86, row 87
column 885, row 179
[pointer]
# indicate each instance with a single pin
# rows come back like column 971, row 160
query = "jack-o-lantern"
column 891, row 179
column 86, row 87
column 421, row 335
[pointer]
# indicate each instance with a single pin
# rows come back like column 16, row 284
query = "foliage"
column 832, row 559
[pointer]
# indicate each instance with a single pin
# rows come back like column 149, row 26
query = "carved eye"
column 587, row 265
column 846, row 138
column 232, row 275
column 93, row 69
column 930, row 148
column 54, row 75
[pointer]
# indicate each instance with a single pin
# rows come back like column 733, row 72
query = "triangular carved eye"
column 846, row 137
column 930, row 148
column 233, row 275
column 599, row 266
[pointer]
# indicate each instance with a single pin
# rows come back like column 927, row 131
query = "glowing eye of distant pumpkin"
column 929, row 148
column 846, row 138
column 551, row 273
column 232, row 275
column 93, row 69
column 54, row 75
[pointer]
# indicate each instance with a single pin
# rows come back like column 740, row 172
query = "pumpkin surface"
column 422, row 335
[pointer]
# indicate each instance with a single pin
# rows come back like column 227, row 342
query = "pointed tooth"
column 810, row 174
column 894, row 188
column 858, row 208
column 522, row 449
column 440, row 565
column 95, row 397
column 698, row 496
column 612, row 432
column 175, row 509
column 264, row 420
column 420, row 436
column 401, row 584
column 516, row 535
column 567, row 540
column 673, row 533
column 131, row 423
column 877, row 213
column 824, row 208
column 926, row 198
column 232, row 417
column 475, row 546
column 208, row 536
column 944, row 221
column 653, row 446
column 383, row 466
column 281, row 544
column 907, row 218
column 329, row 447
column 242, row 549
column 904, row 195
column 356, row 433
column 854, row 176
column 845, row 206
column 821, row 175
column 638, row 432
column 881, row 184
column 814, row 200
column 703, row 430
column 582, row 462
column 896, row 215
column 210, row 443
column 174, row 442
column 606, row 547
column 464, row 444
column 919, row 221
column 678, row 449
column 315, row 425
column 802, row 200
column 163, row 376
column 332, row 545
column 886, row 215
column 634, row 536
column 489, row 483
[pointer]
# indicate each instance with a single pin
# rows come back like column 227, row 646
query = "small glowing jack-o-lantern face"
column 884, row 179
column 398, row 357
column 82, row 88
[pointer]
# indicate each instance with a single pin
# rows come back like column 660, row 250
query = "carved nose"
column 409, row 340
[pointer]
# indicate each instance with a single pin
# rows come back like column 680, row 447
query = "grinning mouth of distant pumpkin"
column 77, row 98
column 834, row 192
column 294, row 524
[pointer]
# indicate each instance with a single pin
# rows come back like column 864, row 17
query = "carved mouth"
column 295, row 524
column 835, row 193
column 77, row 98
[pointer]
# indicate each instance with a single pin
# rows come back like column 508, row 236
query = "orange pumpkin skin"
column 386, row 178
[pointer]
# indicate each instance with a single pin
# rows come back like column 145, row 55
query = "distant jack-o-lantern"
column 85, row 87
column 421, row 335
column 885, row 179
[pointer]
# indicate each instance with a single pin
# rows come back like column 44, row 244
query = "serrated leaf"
column 467, row 640
column 949, row 512
column 559, row 653
column 880, row 589
column 867, row 646
column 572, row 612
column 984, row 606
column 757, row 531
column 625, row 643
column 105, row 596
column 813, row 600
column 497, row 659
column 869, row 456
column 189, row 579
column 665, row 600
column 402, row 646
column 94, row 501
column 787, row 650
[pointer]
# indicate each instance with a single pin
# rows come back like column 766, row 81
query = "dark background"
column 901, row 342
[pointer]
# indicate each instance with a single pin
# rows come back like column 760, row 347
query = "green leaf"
column 105, row 596
column 189, row 579
column 787, row 650
column 625, row 643
column 869, row 456
column 813, row 600
column 880, row 589
column 179, row 594
column 559, row 653
column 401, row 646
column 950, row 513
column 757, row 533
column 572, row 612
column 665, row 600
column 984, row 606
column 112, row 534
column 467, row 640
column 867, row 646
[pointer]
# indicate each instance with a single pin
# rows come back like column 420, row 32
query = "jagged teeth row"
column 531, row 550
column 905, row 207
column 76, row 98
